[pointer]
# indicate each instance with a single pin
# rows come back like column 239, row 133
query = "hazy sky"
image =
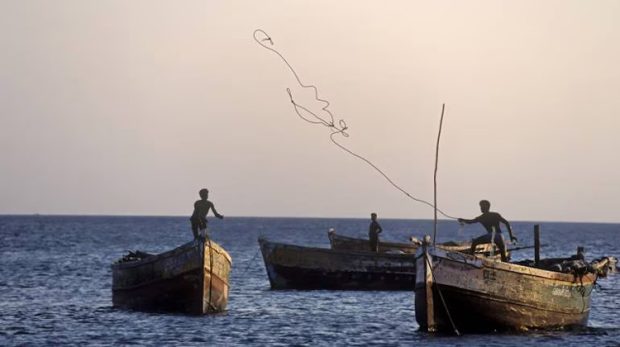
column 130, row 107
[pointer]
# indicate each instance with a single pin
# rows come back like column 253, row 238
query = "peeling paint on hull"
column 484, row 294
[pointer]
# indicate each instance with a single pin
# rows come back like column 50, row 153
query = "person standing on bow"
column 490, row 221
column 199, row 216
column 373, row 233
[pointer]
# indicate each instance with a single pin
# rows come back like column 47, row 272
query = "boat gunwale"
column 515, row 268
column 185, row 248
column 381, row 243
column 366, row 254
column 414, row 246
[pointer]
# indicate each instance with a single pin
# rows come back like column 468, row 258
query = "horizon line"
column 281, row 217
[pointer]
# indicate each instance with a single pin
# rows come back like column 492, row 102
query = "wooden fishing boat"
column 192, row 278
column 342, row 242
column 461, row 292
column 297, row 267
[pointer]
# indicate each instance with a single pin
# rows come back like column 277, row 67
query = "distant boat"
column 298, row 267
column 460, row 292
column 346, row 243
column 342, row 242
column 192, row 278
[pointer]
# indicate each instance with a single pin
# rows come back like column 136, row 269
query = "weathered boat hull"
column 308, row 268
column 460, row 292
column 190, row 279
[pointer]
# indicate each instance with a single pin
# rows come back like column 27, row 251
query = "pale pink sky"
column 130, row 107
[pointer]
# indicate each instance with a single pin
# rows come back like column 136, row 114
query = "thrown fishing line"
column 338, row 128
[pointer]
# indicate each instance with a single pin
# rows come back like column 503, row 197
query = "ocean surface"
column 55, row 286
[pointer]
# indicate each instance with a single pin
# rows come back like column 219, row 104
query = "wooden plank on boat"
column 192, row 278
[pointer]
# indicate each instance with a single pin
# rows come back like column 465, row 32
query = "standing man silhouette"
column 199, row 216
column 373, row 233
column 490, row 221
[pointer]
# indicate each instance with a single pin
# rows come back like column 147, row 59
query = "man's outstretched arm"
column 215, row 212
column 468, row 221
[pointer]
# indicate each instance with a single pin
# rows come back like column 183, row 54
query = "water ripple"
column 55, row 285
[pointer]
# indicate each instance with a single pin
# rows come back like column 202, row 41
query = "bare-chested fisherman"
column 490, row 220
column 199, row 216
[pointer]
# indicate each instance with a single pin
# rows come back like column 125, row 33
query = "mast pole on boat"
column 536, row 244
column 443, row 107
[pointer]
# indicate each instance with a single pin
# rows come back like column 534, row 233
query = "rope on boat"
column 339, row 128
column 578, row 273
column 250, row 262
column 445, row 306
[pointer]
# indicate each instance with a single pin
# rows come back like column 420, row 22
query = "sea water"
column 55, row 285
